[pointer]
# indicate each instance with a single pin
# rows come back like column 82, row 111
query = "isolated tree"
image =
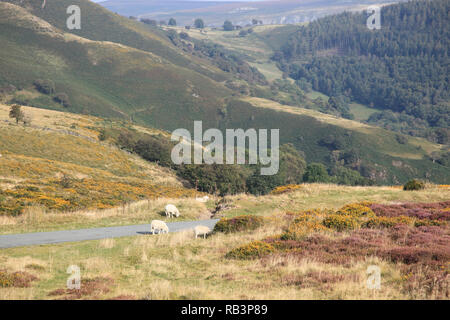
column 172, row 22
column 199, row 24
column 16, row 113
column 228, row 26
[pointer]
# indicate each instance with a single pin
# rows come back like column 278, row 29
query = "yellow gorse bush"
column 252, row 250
column 83, row 194
column 387, row 222
column 285, row 189
column 341, row 222
column 356, row 210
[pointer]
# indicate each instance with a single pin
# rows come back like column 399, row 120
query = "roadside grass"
column 309, row 196
column 176, row 266
column 38, row 219
column 329, row 196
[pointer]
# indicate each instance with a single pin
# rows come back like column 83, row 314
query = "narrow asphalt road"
column 40, row 238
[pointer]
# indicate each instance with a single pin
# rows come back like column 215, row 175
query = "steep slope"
column 59, row 163
column 374, row 152
column 401, row 70
column 100, row 78
column 97, row 23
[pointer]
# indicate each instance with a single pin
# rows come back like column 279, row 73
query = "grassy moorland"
column 58, row 164
column 292, row 255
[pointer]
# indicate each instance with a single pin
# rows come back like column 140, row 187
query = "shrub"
column 356, row 210
column 302, row 227
column 199, row 24
column 237, row 224
column 285, row 189
column 228, row 26
column 44, row 86
column 414, row 185
column 387, row 222
column 401, row 139
column 316, row 172
column 243, row 33
column 62, row 98
column 15, row 279
column 341, row 222
column 252, row 250
column 429, row 223
column 184, row 35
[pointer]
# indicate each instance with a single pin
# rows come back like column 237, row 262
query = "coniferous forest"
column 401, row 69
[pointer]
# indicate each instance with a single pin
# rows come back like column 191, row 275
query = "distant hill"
column 214, row 13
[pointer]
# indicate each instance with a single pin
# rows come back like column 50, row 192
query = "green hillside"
column 401, row 70
column 100, row 78
column 374, row 152
column 130, row 71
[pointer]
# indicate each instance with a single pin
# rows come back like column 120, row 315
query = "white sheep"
column 171, row 211
column 160, row 226
column 201, row 231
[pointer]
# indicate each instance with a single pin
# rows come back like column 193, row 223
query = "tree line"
column 402, row 68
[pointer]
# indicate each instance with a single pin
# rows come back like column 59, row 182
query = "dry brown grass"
column 177, row 266
column 140, row 212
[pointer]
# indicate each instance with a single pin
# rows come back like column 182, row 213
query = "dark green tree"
column 16, row 113
column 199, row 24
column 316, row 172
column 228, row 26
column 172, row 22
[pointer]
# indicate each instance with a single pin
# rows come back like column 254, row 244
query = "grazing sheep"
column 202, row 199
column 171, row 211
column 201, row 231
column 160, row 226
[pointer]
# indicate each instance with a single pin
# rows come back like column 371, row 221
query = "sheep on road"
column 160, row 226
column 201, row 231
